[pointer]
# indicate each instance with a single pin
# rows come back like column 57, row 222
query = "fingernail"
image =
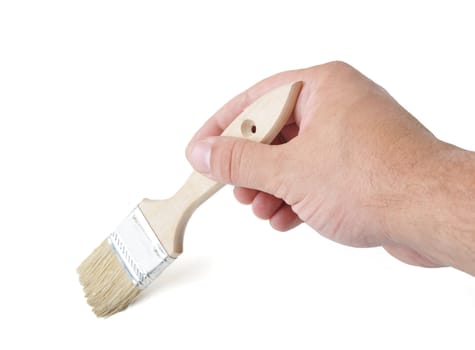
column 200, row 157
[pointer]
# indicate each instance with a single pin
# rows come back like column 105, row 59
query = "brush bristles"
column 107, row 285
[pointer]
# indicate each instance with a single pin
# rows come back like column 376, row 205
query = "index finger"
column 226, row 114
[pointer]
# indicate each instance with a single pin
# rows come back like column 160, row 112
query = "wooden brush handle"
column 259, row 122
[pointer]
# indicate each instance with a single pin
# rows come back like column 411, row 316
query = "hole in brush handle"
column 248, row 128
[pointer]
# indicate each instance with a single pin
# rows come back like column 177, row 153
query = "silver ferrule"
column 139, row 250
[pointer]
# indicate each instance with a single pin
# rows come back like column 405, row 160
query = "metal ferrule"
column 139, row 250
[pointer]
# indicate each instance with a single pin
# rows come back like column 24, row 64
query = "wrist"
column 436, row 213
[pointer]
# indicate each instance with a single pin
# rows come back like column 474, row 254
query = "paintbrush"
column 151, row 236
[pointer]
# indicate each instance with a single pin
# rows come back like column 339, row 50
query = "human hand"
column 347, row 163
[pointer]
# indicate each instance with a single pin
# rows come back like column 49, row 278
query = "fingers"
column 245, row 195
column 284, row 219
column 265, row 205
column 289, row 132
column 268, row 207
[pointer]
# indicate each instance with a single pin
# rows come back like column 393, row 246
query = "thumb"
column 239, row 162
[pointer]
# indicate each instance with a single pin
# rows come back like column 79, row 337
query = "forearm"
column 438, row 218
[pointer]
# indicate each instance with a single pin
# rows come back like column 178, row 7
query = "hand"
column 348, row 163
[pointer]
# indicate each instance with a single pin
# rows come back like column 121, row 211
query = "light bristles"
column 107, row 286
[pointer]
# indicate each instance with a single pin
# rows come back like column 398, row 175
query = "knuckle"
column 228, row 163
column 339, row 69
column 237, row 168
column 339, row 65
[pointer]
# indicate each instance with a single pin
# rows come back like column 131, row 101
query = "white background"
column 98, row 100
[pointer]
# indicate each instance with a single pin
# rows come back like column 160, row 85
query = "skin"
column 352, row 164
